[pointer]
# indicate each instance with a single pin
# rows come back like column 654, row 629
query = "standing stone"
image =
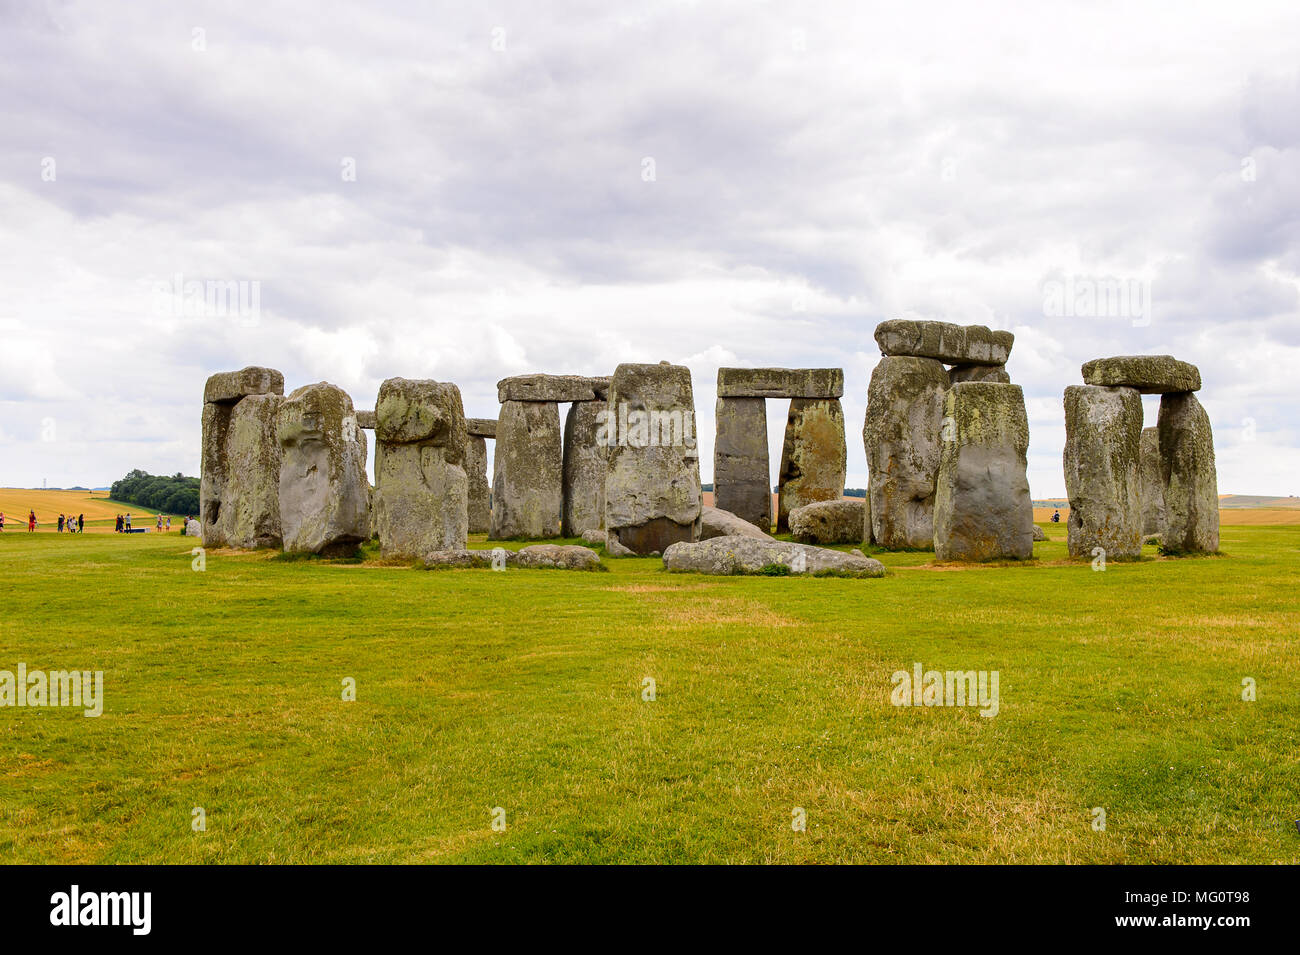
column 324, row 494
column 480, row 493
column 1103, row 439
column 212, row 470
column 652, row 484
column 741, row 475
column 1152, row 487
column 1191, row 484
column 584, row 468
column 238, row 486
column 814, row 456
column 528, row 477
column 421, row 489
column 982, row 508
column 902, row 435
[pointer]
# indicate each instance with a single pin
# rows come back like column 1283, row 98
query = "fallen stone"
column 741, row 472
column 1191, row 484
column 814, row 456
column 716, row 522
column 1039, row 534
column 828, row 522
column 780, row 382
column 1149, row 374
column 978, row 373
column 479, row 505
column 950, row 344
column 595, row 536
column 982, row 507
column 902, row 436
column 583, row 471
column 528, row 478
column 1151, row 483
column 557, row 556
column 550, row 388
column 324, row 494
column 481, row 427
column 227, row 387
column 652, row 483
column 1103, row 434
column 725, row 556
column 193, row 528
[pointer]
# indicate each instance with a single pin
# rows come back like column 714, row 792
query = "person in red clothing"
column 31, row 521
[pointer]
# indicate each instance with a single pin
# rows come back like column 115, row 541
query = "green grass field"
column 523, row 690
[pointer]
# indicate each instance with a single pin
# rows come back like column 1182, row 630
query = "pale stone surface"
column 829, row 522
column 1039, row 534
column 1191, row 483
column 814, row 456
column 421, row 488
column 1152, row 489
column 240, row 472
column 724, row 556
column 212, row 469
column 982, row 507
column 1149, row 374
column 741, row 469
column 227, row 387
column 481, row 427
column 584, row 468
column 652, row 484
column 553, row 388
column 193, row 528
column 480, row 494
column 528, row 472
column 324, row 494
column 978, row 373
column 535, row 556
column 780, row 382
column 1103, row 434
column 902, row 435
column 716, row 522
column 950, row 344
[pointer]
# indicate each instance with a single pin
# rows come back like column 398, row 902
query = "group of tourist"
column 77, row 524
column 73, row 525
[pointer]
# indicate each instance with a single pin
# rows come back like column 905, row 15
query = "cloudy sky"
column 469, row 191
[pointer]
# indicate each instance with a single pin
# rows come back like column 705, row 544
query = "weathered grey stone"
column 978, row 373
column 595, row 536
column 324, row 494
column 1191, row 483
column 584, row 468
column 480, row 494
column 557, row 556
column 553, row 388
column 1149, row 374
column 982, row 508
column 741, row 475
column 1103, row 434
column 1152, row 483
column 366, row 420
column 481, row 427
column 725, row 556
column 780, row 382
column 212, row 469
column 814, row 456
column 421, row 488
column 250, row 510
column 950, row 344
column 902, row 438
column 193, row 528
column 652, row 484
column 829, row 522
column 528, row 472
column 1039, row 534
column 715, row 522
column 227, row 387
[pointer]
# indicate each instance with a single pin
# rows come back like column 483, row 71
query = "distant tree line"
column 177, row 495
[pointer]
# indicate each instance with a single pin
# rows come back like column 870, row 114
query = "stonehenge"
column 1127, row 482
column 982, row 507
column 240, row 466
column 421, row 497
column 813, row 453
column 477, row 431
column 652, row 477
column 323, row 492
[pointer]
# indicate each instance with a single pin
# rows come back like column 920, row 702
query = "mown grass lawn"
column 523, row 690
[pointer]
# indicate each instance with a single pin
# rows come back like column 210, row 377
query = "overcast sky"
column 469, row 191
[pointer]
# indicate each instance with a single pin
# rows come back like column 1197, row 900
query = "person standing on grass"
column 158, row 524
column 60, row 523
column 127, row 526
column 31, row 521
column 81, row 523
column 168, row 528
column 2, row 522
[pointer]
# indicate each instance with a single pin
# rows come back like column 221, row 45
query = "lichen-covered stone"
column 724, row 556
column 227, row 387
column 1103, row 435
column 536, row 556
column 652, row 484
column 481, row 427
column 324, row 494
column 584, row 468
column 1149, row 374
column 1191, row 483
column 780, row 382
column 741, row 475
column 814, row 456
column 978, row 373
column 1039, row 534
column 239, row 483
column 945, row 342
column 828, row 522
column 1152, row 483
column 550, row 388
column 716, row 522
column 902, row 438
column 366, row 420
column 480, row 493
column 528, row 472
column 982, row 507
